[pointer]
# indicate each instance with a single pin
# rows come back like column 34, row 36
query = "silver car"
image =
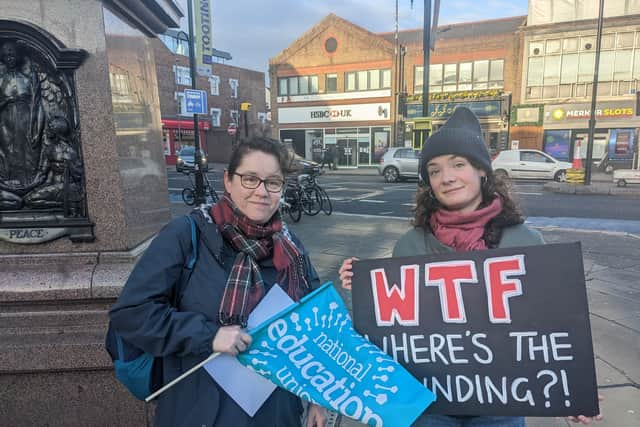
column 533, row 164
column 399, row 163
column 186, row 160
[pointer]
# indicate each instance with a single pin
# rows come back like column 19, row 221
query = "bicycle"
column 290, row 202
column 189, row 193
column 314, row 193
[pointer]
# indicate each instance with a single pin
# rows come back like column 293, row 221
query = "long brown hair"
column 491, row 187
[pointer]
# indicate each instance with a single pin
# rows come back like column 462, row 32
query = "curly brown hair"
column 493, row 186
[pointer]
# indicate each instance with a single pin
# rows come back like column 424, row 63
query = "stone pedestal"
column 54, row 295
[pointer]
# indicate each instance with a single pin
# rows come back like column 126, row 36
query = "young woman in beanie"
column 462, row 206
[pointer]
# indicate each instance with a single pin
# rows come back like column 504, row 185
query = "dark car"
column 304, row 166
column 186, row 160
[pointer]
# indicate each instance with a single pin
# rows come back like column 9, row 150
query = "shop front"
column 179, row 133
column 566, row 129
column 490, row 112
column 331, row 128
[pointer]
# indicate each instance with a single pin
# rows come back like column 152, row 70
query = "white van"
column 622, row 177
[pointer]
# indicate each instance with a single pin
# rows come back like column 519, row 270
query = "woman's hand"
column 345, row 272
column 587, row 420
column 316, row 416
column 231, row 340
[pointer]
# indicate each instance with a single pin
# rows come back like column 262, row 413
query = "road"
column 371, row 195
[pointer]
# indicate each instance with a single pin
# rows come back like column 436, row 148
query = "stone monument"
column 82, row 190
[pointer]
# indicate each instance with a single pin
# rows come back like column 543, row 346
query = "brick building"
column 337, row 85
column 226, row 89
column 559, row 44
column 332, row 88
column 476, row 64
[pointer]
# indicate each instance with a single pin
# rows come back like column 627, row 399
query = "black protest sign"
column 495, row 332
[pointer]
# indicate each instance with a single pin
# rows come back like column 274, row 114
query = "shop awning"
column 184, row 124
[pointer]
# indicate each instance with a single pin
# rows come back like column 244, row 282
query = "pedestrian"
column 327, row 158
column 462, row 206
column 244, row 249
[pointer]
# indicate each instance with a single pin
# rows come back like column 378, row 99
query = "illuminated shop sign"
column 335, row 113
column 556, row 113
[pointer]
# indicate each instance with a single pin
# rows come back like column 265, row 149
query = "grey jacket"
column 417, row 241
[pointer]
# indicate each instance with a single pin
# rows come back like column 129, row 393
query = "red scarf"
column 254, row 242
column 463, row 232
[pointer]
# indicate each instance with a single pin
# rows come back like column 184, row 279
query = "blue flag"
column 312, row 350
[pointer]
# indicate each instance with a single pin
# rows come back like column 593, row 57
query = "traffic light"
column 245, row 106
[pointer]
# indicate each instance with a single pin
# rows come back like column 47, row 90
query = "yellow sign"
column 203, row 37
column 245, row 106
column 422, row 123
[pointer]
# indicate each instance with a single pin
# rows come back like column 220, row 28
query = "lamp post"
column 592, row 115
column 178, row 103
column 199, row 181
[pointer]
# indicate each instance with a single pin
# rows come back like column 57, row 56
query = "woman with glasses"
column 244, row 248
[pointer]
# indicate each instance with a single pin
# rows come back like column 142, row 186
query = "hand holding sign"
column 489, row 332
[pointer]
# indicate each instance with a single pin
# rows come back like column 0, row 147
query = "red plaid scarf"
column 254, row 242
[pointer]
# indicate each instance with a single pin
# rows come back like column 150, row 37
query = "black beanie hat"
column 460, row 135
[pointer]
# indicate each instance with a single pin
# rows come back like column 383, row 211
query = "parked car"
column 399, row 163
column 533, row 164
column 304, row 166
column 186, row 160
column 622, row 177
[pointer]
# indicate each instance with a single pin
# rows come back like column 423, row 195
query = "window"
column 215, row 117
column 450, row 77
column 313, row 84
column 625, row 40
column 465, row 72
column 298, row 85
column 362, row 80
column 586, row 67
column 480, row 74
column 183, row 75
column 181, row 104
column 282, row 87
column 350, row 79
column 233, row 84
column 534, row 71
column 531, row 156
column 553, row 46
column 636, row 65
column 605, row 72
column 303, row 85
column 386, row 79
column 552, row 70
column 570, row 45
column 234, row 116
column 496, row 73
column 368, row 80
column 262, row 117
column 622, row 65
column 607, row 41
column 331, row 83
column 374, row 79
column 214, row 84
column 569, row 71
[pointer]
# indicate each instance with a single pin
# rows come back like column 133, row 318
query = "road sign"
column 196, row 101
column 231, row 130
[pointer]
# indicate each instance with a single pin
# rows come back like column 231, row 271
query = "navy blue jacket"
column 144, row 316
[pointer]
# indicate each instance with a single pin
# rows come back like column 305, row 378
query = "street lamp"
column 199, row 180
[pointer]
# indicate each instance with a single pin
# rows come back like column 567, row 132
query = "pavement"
column 612, row 269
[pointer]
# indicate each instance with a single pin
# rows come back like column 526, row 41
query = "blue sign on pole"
column 196, row 101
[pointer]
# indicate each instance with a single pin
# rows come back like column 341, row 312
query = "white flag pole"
column 181, row 377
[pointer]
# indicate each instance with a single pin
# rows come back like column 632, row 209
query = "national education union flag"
column 312, row 350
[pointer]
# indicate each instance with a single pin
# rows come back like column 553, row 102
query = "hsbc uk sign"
column 325, row 114
column 335, row 113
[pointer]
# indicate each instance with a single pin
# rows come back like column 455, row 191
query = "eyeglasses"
column 251, row 182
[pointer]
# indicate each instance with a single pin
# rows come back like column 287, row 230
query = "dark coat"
column 183, row 336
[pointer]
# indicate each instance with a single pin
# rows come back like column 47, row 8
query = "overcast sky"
column 255, row 30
